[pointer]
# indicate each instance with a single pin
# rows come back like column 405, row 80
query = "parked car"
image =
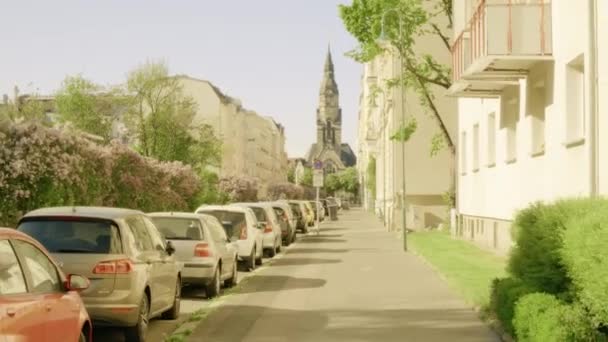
column 201, row 244
column 325, row 207
column 272, row 229
column 300, row 212
column 318, row 210
column 38, row 302
column 310, row 216
column 133, row 271
column 287, row 221
column 240, row 224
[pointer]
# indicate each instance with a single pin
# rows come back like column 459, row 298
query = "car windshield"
column 176, row 228
column 295, row 207
column 74, row 235
column 231, row 221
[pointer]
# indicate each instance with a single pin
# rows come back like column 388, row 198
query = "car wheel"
column 82, row 337
column 251, row 261
column 173, row 313
column 214, row 287
column 234, row 279
column 305, row 230
column 272, row 251
column 278, row 247
column 137, row 333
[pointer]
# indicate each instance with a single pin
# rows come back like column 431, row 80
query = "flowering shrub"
column 285, row 191
column 42, row 167
column 239, row 189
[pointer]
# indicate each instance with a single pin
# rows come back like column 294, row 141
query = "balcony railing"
column 503, row 28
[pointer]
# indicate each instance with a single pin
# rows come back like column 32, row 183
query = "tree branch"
column 435, row 110
column 443, row 37
column 436, row 81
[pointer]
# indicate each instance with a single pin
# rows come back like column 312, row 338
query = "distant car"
column 209, row 256
column 272, row 228
column 240, row 224
column 310, row 213
column 133, row 271
column 287, row 220
column 325, row 207
column 318, row 210
column 37, row 301
column 300, row 211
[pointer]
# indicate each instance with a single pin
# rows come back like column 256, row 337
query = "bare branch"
column 444, row 38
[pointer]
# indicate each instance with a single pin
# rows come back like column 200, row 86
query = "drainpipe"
column 593, row 99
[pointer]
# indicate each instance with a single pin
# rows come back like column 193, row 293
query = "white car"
column 265, row 214
column 240, row 224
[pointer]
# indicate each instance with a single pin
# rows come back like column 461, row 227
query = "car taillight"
column 202, row 250
column 122, row 266
column 268, row 228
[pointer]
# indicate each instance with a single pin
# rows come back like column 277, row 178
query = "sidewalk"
column 353, row 282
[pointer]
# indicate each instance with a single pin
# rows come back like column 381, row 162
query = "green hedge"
column 541, row 317
column 585, row 254
column 505, row 294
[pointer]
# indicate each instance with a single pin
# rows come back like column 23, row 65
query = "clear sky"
column 267, row 53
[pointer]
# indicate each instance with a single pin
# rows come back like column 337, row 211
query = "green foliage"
column 394, row 26
column 505, row 293
column 585, row 256
column 538, row 237
column 307, row 177
column 541, row 317
column 80, row 103
column 437, row 144
column 26, row 109
column 291, row 175
column 346, row 180
column 404, row 133
column 371, row 177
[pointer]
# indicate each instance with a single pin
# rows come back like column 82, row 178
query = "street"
column 350, row 283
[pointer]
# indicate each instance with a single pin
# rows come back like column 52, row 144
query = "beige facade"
column 427, row 178
column 252, row 145
column 531, row 109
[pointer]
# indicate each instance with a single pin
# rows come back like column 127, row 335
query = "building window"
column 476, row 147
column 463, row 153
column 537, row 88
column 575, row 101
column 509, row 118
column 491, row 139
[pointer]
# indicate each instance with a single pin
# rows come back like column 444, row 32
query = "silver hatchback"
column 209, row 256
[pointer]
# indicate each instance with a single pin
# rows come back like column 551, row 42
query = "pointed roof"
column 329, row 64
column 328, row 82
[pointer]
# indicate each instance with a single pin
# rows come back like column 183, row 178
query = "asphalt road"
column 351, row 283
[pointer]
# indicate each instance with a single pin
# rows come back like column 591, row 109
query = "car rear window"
column 74, row 235
column 260, row 214
column 232, row 222
column 177, row 228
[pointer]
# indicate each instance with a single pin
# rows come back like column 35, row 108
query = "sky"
column 267, row 53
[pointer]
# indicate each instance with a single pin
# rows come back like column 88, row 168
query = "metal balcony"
column 501, row 42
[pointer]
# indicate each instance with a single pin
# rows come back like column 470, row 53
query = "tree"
column 422, row 72
column 81, row 104
column 307, row 178
column 291, row 175
column 23, row 109
column 346, row 180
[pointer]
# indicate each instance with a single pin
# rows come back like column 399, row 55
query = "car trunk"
column 86, row 246
column 184, row 233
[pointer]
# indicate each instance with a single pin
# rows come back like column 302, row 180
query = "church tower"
column 329, row 148
column 329, row 114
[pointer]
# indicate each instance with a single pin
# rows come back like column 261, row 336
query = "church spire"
column 329, row 64
column 328, row 83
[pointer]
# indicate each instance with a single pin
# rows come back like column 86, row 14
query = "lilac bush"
column 42, row 167
column 239, row 189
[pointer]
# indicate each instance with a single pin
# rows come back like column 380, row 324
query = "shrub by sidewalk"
column 41, row 167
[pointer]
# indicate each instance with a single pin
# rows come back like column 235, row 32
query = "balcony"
column 501, row 42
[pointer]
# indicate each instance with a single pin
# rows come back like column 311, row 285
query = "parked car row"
column 65, row 270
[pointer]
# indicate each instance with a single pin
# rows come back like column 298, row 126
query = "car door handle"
column 11, row 312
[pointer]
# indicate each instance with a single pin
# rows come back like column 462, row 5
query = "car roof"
column 90, row 212
column 13, row 233
column 177, row 215
column 236, row 209
column 256, row 204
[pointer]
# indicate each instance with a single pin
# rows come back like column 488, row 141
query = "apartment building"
column 426, row 178
column 252, row 145
column 531, row 82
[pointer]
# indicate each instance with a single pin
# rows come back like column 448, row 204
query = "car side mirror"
column 170, row 249
column 77, row 283
column 261, row 225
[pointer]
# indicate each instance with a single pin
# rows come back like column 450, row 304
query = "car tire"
column 138, row 332
column 251, row 261
column 214, row 287
column 278, row 248
column 173, row 313
column 234, row 279
column 293, row 237
column 305, row 230
column 259, row 260
column 272, row 251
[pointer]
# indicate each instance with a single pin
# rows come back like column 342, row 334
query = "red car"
column 38, row 302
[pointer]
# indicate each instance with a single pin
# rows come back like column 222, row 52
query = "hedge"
column 505, row 294
column 541, row 317
column 585, row 254
column 42, row 167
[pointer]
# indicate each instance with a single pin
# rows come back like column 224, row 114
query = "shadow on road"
column 312, row 239
column 263, row 283
column 269, row 324
column 316, row 250
column 303, row 261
